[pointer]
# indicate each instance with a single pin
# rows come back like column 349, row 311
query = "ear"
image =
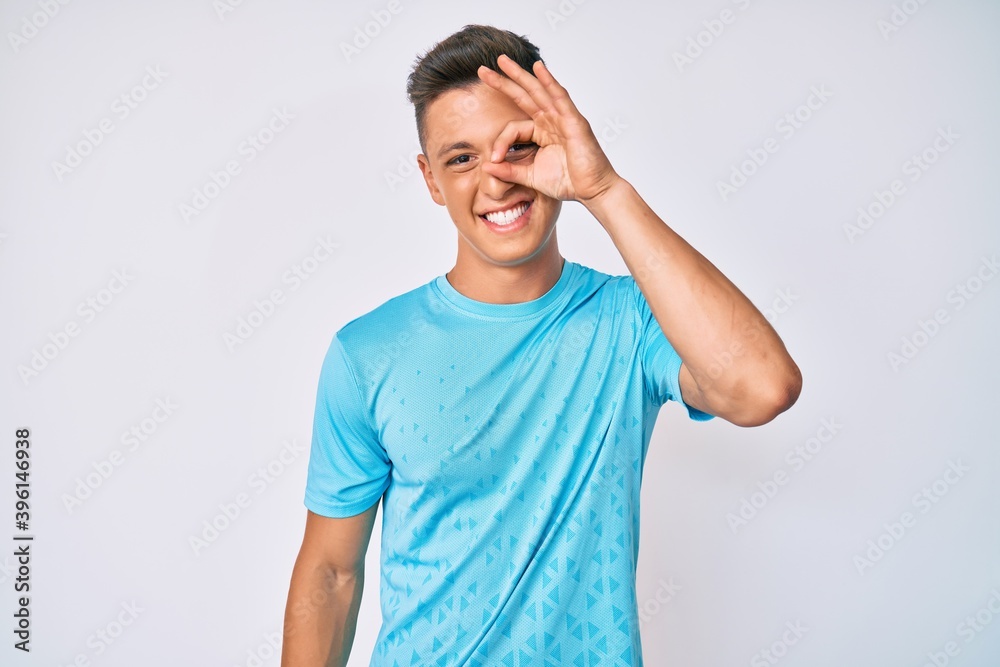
column 425, row 169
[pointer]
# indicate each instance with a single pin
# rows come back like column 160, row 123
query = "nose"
column 493, row 187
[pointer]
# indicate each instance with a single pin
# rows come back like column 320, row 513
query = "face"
column 461, row 126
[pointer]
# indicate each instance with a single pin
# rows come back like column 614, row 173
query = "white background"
column 343, row 169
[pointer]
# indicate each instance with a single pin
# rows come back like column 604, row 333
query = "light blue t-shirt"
column 509, row 441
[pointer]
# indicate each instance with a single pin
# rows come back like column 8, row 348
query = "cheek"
column 552, row 208
column 462, row 189
column 459, row 192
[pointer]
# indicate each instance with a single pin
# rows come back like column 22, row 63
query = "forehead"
column 473, row 114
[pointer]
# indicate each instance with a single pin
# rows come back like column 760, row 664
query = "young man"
column 502, row 411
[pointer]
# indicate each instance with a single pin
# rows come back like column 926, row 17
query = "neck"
column 490, row 282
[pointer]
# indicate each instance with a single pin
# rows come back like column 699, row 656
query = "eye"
column 522, row 148
column 455, row 159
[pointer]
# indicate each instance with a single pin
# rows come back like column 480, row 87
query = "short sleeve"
column 348, row 467
column 661, row 365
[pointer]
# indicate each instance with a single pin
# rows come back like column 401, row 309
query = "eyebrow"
column 461, row 145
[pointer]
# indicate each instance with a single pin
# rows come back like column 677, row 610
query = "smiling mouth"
column 502, row 218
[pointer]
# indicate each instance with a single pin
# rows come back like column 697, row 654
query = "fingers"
column 510, row 89
column 559, row 96
column 527, row 82
column 514, row 132
column 530, row 93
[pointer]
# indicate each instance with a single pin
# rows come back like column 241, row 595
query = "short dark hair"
column 454, row 62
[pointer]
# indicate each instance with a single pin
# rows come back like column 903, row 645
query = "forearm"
column 727, row 345
column 321, row 617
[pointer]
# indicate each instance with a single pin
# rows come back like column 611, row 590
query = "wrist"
column 600, row 203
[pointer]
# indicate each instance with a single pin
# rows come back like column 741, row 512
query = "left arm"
column 734, row 365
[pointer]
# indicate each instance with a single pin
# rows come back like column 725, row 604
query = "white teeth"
column 507, row 217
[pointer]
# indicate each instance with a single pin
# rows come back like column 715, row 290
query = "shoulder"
column 383, row 324
column 611, row 288
column 592, row 278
